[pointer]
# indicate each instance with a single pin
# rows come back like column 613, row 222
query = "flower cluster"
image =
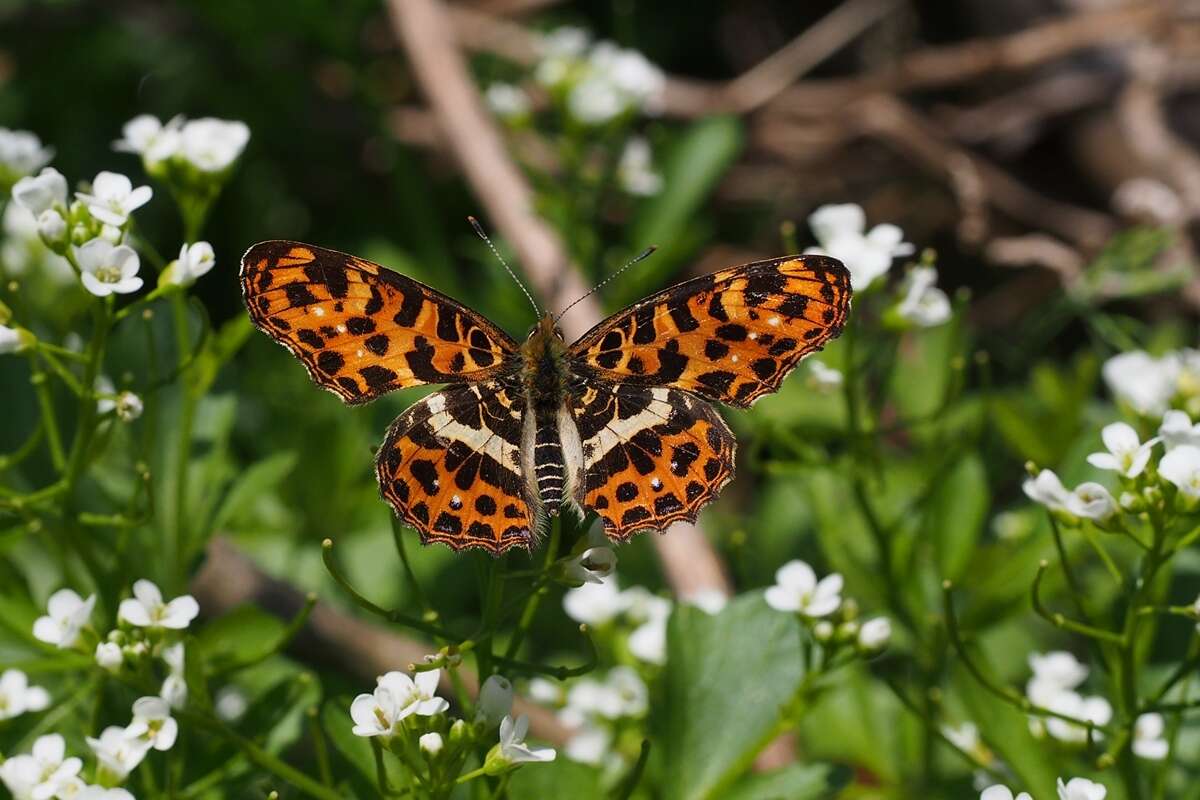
column 1073, row 789
column 406, row 715
column 21, row 154
column 149, row 628
column 644, row 615
column 1172, row 482
column 820, row 604
column 598, row 82
column 206, row 145
column 1149, row 385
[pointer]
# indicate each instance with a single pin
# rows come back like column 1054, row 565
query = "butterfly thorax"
column 544, row 379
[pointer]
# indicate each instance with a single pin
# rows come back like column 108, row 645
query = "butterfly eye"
column 558, row 332
column 532, row 331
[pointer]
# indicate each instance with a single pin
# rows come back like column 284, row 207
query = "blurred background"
column 1044, row 150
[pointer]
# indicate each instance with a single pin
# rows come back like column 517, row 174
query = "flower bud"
column 110, row 233
column 460, row 732
column 593, row 565
column 108, row 656
column 53, row 229
column 495, row 700
column 129, row 406
column 431, row 744
column 823, row 631
column 875, row 634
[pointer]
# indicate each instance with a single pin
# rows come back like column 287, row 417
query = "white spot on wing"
column 318, row 311
column 773, row 322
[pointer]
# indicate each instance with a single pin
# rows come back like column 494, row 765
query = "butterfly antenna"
column 479, row 230
column 639, row 257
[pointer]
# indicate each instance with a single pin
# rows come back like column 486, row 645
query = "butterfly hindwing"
column 731, row 336
column 361, row 329
column 451, row 467
column 651, row 455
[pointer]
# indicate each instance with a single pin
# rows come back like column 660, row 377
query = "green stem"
column 177, row 542
column 535, row 599
column 41, row 389
column 1062, row 622
column 391, row 616
column 402, row 552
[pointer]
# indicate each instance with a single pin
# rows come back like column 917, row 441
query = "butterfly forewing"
column 731, row 336
column 363, row 330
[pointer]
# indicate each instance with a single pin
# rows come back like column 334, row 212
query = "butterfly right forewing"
column 363, row 330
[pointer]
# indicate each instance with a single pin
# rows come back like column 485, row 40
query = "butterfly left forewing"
column 363, row 330
column 451, row 467
column 652, row 456
column 731, row 336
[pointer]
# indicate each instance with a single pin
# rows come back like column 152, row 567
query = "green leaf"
column 728, row 680
column 957, row 511
column 794, row 782
column 335, row 722
column 245, row 629
column 559, row 778
column 258, row 480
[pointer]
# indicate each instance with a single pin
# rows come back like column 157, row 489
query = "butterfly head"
column 544, row 331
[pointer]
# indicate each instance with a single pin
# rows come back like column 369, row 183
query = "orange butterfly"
column 616, row 423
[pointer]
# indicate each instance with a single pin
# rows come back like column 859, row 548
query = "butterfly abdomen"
column 548, row 462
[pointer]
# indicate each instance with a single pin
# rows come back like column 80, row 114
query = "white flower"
column 1146, row 384
column 41, row 193
column 591, row 566
column 1091, row 501
column 194, row 261
column 594, row 603
column 21, row 153
column 823, row 379
column 506, row 100
column 146, row 136
column 117, row 751
column 965, row 736
column 924, row 305
column 17, row 696
column 632, row 695
column 106, row 394
column 111, row 234
column 212, row 145
column 635, row 170
column 512, row 742
column 797, row 590
column 230, row 704
column 396, row 697
column 1080, row 789
column 495, row 700
column 109, row 656
column 1047, row 490
column 1000, row 792
column 11, row 340
column 113, row 198
column 431, row 744
column 1177, row 429
column 1148, row 741
column 1096, row 710
column 66, row 614
column 548, row 692
column 648, row 642
column 1126, row 455
column 152, row 722
column 630, row 72
column 129, row 406
column 595, row 100
column 174, row 688
column 565, row 40
column 875, row 633
column 101, row 793
column 108, row 269
column 1053, row 672
column 839, row 230
column 589, row 744
column 43, row 773
column 146, row 608
column 710, row 601
column 1181, row 467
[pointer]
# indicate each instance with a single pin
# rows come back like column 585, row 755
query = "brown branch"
column 771, row 76
column 229, row 579
column 690, row 564
column 928, row 68
column 894, row 122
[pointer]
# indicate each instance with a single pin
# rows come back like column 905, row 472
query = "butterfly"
column 619, row 423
